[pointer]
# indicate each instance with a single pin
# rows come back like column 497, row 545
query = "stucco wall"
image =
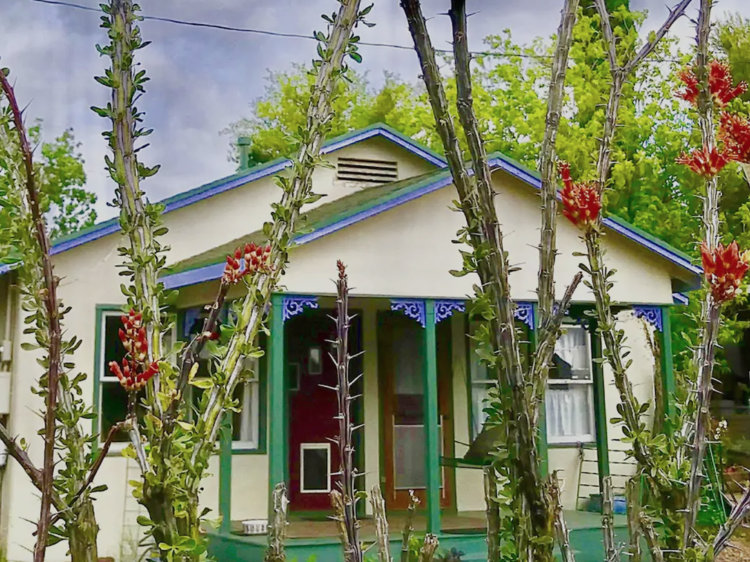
column 408, row 251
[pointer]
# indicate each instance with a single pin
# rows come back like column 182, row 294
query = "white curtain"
column 572, row 353
column 569, row 406
column 568, row 413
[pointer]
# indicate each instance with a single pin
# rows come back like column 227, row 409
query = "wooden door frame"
column 446, row 411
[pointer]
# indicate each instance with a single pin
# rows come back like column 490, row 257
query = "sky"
column 204, row 79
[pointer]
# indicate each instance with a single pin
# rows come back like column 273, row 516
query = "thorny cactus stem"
column 136, row 219
column 409, row 526
column 561, row 528
column 611, row 552
column 429, row 548
column 492, row 513
column 52, row 312
column 345, row 500
column 297, row 192
column 381, row 525
column 489, row 259
column 710, row 309
column 635, row 532
column 277, row 528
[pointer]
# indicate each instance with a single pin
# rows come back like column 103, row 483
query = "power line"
column 269, row 33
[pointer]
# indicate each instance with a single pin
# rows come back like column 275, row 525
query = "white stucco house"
column 387, row 216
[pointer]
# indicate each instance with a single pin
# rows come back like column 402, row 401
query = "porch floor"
column 314, row 536
column 467, row 522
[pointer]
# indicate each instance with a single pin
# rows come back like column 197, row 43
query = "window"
column 246, row 422
column 113, row 399
column 570, row 395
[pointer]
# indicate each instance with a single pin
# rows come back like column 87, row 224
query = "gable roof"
column 346, row 211
column 377, row 130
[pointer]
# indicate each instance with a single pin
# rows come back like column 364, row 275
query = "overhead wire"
column 288, row 35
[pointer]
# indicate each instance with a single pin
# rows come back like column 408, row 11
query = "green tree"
column 279, row 114
column 65, row 200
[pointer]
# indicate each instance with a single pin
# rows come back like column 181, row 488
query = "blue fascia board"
column 193, row 276
column 112, row 226
column 680, row 298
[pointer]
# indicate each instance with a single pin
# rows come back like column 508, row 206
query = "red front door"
column 313, row 458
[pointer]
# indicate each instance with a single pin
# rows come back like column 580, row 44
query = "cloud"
column 202, row 79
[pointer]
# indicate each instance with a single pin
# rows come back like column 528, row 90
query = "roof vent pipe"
column 243, row 146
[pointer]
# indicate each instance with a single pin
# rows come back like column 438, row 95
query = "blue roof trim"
column 112, row 226
column 680, row 298
column 193, row 276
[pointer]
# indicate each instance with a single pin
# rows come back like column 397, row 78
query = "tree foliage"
column 69, row 206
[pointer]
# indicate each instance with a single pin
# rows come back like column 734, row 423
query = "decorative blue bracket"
column 525, row 313
column 294, row 305
column 651, row 314
column 445, row 308
column 414, row 309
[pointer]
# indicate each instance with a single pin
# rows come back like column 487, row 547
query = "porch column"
column 431, row 421
column 277, row 434
column 225, row 474
column 600, row 405
column 667, row 366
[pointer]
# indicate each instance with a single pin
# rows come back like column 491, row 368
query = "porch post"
column 277, row 441
column 600, row 405
column 431, row 422
column 667, row 366
column 225, row 475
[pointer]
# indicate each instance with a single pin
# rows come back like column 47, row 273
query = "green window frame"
column 110, row 399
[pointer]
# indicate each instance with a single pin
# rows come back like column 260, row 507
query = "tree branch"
column 296, row 191
column 608, row 522
column 53, row 319
column 381, row 525
column 674, row 14
column 710, row 310
column 738, row 516
column 548, row 156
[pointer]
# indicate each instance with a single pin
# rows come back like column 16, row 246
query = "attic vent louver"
column 365, row 170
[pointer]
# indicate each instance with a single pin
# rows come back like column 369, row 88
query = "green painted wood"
column 431, row 423
column 101, row 310
column 543, row 445
column 225, row 475
column 667, row 365
column 600, row 409
column 277, row 442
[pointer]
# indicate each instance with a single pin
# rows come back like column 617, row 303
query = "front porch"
column 450, row 487
column 308, row 538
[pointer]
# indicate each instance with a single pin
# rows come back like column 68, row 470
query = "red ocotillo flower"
column 247, row 260
column 724, row 269
column 734, row 132
column 720, row 84
column 136, row 370
column 581, row 200
column 706, row 163
column 131, row 376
